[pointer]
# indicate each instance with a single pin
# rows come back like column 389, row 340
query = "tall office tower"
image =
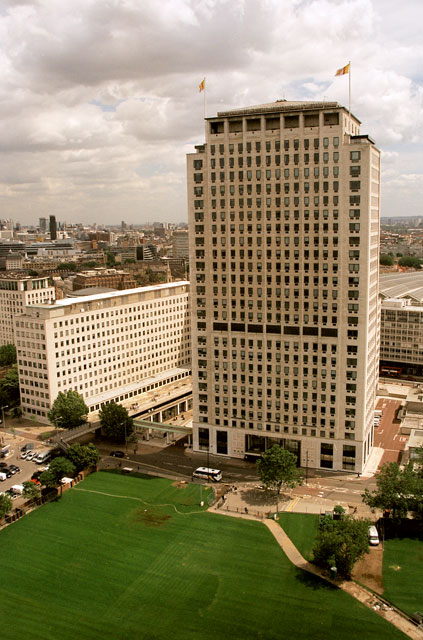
column 53, row 228
column 43, row 224
column 284, row 230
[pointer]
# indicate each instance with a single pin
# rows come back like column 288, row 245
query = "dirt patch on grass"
column 368, row 570
column 151, row 518
column 179, row 485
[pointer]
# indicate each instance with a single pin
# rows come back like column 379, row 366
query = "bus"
column 215, row 475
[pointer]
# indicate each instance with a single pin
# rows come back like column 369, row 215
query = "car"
column 7, row 472
column 117, row 454
column 3, row 465
column 373, row 536
column 11, row 494
column 14, row 468
column 36, row 475
column 35, row 481
column 30, row 455
column 24, row 454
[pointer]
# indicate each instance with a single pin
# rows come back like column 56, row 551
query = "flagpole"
column 349, row 88
column 205, row 102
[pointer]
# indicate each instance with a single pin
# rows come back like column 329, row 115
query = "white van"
column 373, row 536
column 17, row 488
column 42, row 457
column 215, row 475
column 3, row 477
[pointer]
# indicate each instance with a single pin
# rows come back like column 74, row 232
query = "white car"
column 30, row 455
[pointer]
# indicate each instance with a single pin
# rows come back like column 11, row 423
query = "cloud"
column 99, row 101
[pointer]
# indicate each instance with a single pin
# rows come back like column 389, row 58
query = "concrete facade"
column 16, row 292
column 107, row 347
column 284, row 230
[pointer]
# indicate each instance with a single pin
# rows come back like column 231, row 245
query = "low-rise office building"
column 108, row 347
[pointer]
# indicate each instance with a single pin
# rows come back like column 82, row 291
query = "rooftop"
column 66, row 302
column 402, row 285
column 281, row 105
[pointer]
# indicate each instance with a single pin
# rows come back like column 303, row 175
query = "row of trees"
column 69, row 411
column 388, row 260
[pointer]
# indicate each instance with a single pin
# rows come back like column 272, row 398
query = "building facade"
column 16, row 292
column 180, row 244
column 107, row 347
column 114, row 278
column 284, row 229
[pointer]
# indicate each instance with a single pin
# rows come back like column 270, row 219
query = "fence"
column 260, row 515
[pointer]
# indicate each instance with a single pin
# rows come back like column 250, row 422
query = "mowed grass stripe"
column 91, row 566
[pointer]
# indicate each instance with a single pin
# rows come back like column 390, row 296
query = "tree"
column 410, row 261
column 5, row 505
column 69, row 410
column 115, row 421
column 395, row 491
column 31, row 490
column 341, row 543
column 7, row 355
column 278, row 468
column 386, row 260
column 57, row 469
column 10, row 385
column 111, row 260
column 33, row 273
column 83, row 456
column 67, row 266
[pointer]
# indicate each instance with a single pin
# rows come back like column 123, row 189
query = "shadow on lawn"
column 260, row 497
column 313, row 582
column 133, row 474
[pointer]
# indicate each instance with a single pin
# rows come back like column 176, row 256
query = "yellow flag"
column 202, row 85
column 343, row 70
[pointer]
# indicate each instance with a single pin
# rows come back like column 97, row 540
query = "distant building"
column 53, row 228
column 180, row 244
column 104, row 278
column 43, row 225
column 14, row 261
column 16, row 292
column 109, row 347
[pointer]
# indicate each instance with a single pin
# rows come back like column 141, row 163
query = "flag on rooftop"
column 343, row 70
column 202, row 85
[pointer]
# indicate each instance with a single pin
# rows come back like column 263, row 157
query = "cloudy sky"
column 99, row 99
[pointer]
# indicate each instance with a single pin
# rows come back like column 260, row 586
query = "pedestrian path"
column 355, row 590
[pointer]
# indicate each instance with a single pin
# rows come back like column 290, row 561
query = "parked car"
column 117, row 454
column 14, row 468
column 3, row 465
column 6, row 471
column 373, row 536
column 36, row 475
column 30, row 455
column 24, row 454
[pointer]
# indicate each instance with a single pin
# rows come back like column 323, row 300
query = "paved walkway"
column 355, row 590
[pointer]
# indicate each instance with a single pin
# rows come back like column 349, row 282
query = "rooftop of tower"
column 280, row 106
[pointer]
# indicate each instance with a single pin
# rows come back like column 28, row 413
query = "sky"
column 99, row 100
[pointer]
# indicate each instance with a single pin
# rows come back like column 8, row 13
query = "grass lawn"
column 302, row 529
column 403, row 574
column 96, row 566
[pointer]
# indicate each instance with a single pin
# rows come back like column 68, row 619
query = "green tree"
column 277, row 468
column 33, row 273
column 341, row 543
column 83, row 456
column 58, row 468
column 31, row 490
column 386, row 260
column 69, row 410
column 395, row 490
column 10, row 385
column 115, row 422
column 5, row 505
column 67, row 266
column 110, row 259
column 7, row 355
column 410, row 261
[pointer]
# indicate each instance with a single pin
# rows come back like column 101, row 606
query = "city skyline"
column 100, row 103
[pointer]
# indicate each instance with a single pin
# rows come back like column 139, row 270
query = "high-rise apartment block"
column 109, row 347
column 284, row 230
column 18, row 290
